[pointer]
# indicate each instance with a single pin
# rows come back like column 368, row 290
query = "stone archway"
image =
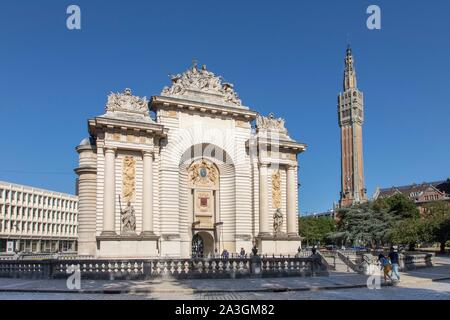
column 205, row 171
column 203, row 245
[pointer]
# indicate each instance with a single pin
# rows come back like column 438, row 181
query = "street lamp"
column 220, row 233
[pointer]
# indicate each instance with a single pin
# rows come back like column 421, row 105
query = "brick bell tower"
column 351, row 118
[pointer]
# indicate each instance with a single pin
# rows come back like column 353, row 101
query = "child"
column 385, row 266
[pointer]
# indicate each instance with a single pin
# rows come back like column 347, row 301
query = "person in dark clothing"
column 393, row 256
column 225, row 254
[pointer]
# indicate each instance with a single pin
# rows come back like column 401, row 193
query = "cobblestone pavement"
column 427, row 291
column 415, row 284
column 188, row 286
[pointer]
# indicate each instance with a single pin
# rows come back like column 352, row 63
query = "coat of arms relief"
column 203, row 173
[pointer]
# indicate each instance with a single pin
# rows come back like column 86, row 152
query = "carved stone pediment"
column 202, row 85
column 270, row 123
column 125, row 105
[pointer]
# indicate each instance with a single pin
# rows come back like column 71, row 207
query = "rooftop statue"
column 126, row 102
column 271, row 124
column 195, row 81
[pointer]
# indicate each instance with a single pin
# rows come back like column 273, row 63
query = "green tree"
column 362, row 224
column 316, row 229
column 437, row 222
column 401, row 207
column 409, row 232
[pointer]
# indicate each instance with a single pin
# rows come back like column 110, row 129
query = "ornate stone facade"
column 197, row 177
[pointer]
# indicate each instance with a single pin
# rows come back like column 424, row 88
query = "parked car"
column 358, row 248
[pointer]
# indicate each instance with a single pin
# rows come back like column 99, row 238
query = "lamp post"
column 219, row 233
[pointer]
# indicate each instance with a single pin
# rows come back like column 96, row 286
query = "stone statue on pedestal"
column 277, row 221
column 128, row 219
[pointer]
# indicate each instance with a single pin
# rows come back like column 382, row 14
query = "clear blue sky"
column 282, row 56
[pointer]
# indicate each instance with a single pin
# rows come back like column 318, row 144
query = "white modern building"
column 36, row 220
column 200, row 174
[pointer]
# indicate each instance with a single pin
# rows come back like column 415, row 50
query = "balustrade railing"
column 173, row 268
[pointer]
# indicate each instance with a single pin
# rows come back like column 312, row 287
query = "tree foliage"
column 437, row 222
column 315, row 229
column 409, row 232
column 361, row 224
column 377, row 222
column 386, row 221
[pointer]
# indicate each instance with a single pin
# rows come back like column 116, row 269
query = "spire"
column 349, row 73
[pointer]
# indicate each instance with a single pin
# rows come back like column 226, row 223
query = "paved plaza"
column 426, row 291
column 421, row 284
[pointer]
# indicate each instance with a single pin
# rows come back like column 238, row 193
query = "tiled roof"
column 407, row 190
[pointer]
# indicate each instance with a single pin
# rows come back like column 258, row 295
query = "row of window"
column 346, row 113
column 30, row 198
column 36, row 227
column 432, row 197
column 33, row 213
column 32, row 245
column 352, row 93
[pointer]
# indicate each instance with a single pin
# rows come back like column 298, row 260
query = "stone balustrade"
column 133, row 269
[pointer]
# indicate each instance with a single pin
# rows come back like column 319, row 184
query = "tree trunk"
column 442, row 247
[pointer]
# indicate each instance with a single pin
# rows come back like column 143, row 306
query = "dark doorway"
column 197, row 246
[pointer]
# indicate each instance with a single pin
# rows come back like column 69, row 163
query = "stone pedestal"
column 279, row 244
column 127, row 246
column 255, row 267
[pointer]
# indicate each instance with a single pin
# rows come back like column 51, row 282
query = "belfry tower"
column 351, row 118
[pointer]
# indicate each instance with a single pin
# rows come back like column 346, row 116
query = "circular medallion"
column 203, row 172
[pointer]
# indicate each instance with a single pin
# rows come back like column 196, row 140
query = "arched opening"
column 202, row 245
column 205, row 171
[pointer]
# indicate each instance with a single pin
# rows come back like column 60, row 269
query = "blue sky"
column 283, row 56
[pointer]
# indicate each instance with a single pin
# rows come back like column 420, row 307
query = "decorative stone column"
column 291, row 201
column 263, row 200
column 147, row 195
column 109, row 192
column 87, row 198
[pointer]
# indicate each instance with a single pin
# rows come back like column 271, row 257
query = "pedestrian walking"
column 385, row 266
column 393, row 256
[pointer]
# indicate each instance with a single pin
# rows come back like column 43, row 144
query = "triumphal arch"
column 189, row 173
